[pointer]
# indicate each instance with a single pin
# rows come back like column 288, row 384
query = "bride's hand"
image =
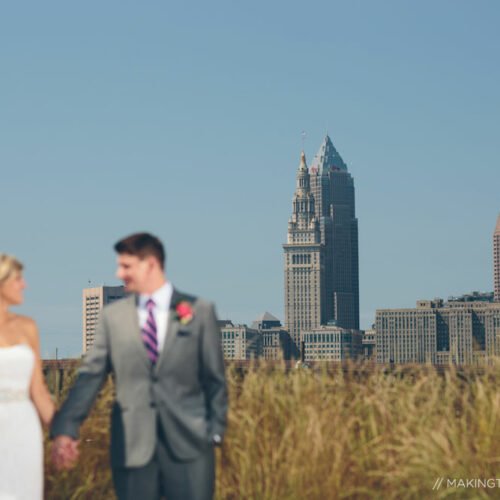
column 64, row 452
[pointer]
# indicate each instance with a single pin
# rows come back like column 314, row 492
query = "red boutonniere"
column 184, row 312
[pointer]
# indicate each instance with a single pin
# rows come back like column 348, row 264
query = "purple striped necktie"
column 149, row 335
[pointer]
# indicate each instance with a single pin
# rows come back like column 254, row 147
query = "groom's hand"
column 64, row 452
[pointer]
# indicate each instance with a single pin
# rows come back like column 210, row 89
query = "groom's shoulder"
column 180, row 296
column 194, row 300
column 119, row 305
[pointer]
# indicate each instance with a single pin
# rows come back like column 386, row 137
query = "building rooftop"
column 265, row 316
column 473, row 297
column 266, row 320
column 222, row 323
column 481, row 301
column 327, row 158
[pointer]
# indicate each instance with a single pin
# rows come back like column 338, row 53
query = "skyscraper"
column 304, row 262
column 496, row 260
column 321, row 253
column 333, row 190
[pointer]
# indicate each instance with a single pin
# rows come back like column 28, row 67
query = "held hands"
column 64, row 452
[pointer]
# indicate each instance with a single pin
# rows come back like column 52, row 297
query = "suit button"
column 155, row 378
column 152, row 404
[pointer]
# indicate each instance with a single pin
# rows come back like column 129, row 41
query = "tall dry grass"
column 90, row 479
column 308, row 434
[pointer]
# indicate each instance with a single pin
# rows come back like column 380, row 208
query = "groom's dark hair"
column 142, row 245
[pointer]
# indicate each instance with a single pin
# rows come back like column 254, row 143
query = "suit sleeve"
column 213, row 376
column 91, row 376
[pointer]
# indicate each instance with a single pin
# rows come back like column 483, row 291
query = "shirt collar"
column 161, row 297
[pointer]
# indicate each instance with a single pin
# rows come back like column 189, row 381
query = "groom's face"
column 134, row 272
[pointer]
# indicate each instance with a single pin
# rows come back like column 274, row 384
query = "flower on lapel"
column 184, row 312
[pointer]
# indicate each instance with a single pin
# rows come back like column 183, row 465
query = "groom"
column 163, row 349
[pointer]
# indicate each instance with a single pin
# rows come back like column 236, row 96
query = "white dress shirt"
column 161, row 298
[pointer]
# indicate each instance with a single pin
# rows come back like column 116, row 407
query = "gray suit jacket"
column 186, row 388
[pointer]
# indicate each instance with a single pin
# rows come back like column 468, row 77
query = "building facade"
column 496, row 260
column 277, row 344
column 93, row 300
column 275, row 340
column 321, row 253
column 333, row 190
column 438, row 332
column 369, row 345
column 304, row 262
column 332, row 343
column 240, row 342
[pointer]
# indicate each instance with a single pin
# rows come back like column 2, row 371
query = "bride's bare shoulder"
column 26, row 323
column 29, row 330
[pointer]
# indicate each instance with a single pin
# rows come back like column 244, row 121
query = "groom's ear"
column 152, row 263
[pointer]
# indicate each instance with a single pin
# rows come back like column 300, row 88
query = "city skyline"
column 321, row 267
column 186, row 121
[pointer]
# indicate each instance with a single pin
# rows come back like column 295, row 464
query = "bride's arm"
column 40, row 395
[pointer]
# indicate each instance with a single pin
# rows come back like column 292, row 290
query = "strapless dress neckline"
column 21, row 344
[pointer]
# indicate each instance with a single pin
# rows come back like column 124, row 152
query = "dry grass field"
column 330, row 434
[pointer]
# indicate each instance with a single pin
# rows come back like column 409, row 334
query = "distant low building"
column 93, row 300
column 331, row 343
column 369, row 345
column 438, row 332
column 240, row 342
column 276, row 341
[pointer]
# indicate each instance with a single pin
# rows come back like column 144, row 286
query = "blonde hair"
column 9, row 266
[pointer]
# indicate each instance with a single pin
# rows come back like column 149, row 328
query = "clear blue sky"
column 185, row 119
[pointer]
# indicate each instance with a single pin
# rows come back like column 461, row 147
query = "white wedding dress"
column 21, row 447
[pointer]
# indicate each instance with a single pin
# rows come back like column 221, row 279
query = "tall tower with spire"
column 496, row 260
column 333, row 189
column 321, row 253
column 304, row 261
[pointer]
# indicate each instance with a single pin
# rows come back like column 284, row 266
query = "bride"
column 23, row 393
